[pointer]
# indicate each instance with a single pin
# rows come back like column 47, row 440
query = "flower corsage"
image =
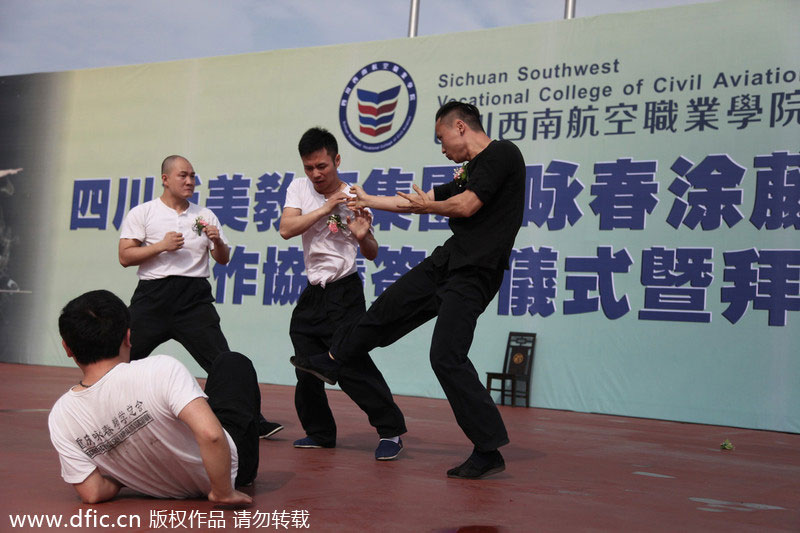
column 460, row 175
column 335, row 223
column 199, row 224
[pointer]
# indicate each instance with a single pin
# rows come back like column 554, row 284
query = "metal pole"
column 413, row 18
column 569, row 9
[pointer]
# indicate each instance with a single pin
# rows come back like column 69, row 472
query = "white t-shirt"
column 149, row 223
column 126, row 425
column 328, row 256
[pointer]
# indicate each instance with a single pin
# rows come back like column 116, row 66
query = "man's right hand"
column 172, row 241
column 234, row 498
column 335, row 199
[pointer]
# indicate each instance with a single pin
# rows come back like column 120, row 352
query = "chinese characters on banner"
column 706, row 195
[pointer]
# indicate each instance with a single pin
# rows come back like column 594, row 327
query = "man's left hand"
column 420, row 203
column 212, row 232
column 360, row 223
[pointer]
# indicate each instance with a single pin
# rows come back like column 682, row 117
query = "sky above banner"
column 43, row 36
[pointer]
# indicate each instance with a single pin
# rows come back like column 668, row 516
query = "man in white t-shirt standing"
column 334, row 297
column 147, row 424
column 169, row 239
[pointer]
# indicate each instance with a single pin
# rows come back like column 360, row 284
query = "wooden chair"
column 515, row 379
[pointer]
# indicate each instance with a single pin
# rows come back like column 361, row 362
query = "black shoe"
column 267, row 429
column 309, row 443
column 479, row 465
column 321, row 365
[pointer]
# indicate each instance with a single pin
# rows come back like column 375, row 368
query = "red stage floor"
column 564, row 472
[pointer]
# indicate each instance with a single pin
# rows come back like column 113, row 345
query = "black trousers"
column 457, row 298
column 316, row 318
column 234, row 396
column 177, row 308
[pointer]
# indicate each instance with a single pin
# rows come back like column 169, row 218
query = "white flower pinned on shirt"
column 460, row 175
column 199, row 224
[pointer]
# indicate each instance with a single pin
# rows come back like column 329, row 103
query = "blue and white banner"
column 659, row 258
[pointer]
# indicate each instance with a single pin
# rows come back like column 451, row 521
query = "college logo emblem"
column 377, row 106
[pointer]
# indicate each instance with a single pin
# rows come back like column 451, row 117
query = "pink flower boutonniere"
column 460, row 175
column 335, row 223
column 199, row 224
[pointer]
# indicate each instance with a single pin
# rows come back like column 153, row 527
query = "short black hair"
column 93, row 326
column 316, row 139
column 463, row 111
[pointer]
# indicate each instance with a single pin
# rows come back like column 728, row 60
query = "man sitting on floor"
column 146, row 424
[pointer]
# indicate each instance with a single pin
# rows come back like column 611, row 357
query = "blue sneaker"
column 388, row 449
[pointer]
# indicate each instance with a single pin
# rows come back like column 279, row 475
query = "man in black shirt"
column 485, row 203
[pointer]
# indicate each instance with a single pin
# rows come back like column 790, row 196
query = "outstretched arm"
column 461, row 205
column 9, row 172
column 396, row 204
column 214, row 450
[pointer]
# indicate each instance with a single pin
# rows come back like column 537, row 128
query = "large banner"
column 658, row 263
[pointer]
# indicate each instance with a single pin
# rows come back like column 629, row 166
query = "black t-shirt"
column 485, row 239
